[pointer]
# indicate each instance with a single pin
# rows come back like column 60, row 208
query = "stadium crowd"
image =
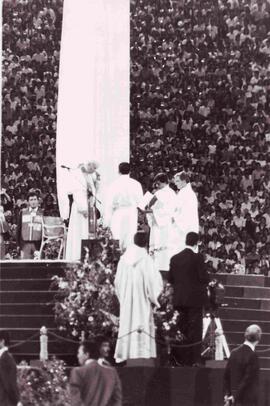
column 31, row 45
column 200, row 81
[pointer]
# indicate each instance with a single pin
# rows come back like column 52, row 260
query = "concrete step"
column 241, row 325
column 26, row 308
column 243, row 280
column 25, row 284
column 27, row 296
column 241, row 314
column 237, row 337
column 25, row 270
column 252, row 292
column 247, row 292
column 237, row 302
column 25, row 320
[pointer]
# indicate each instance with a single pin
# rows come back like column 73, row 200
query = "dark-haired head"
column 192, row 239
column 124, row 168
column 161, row 179
column 32, row 194
column 141, row 239
column 87, row 350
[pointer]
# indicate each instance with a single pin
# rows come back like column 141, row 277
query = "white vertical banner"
column 93, row 97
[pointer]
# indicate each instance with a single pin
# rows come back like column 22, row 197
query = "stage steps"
column 247, row 301
column 26, row 306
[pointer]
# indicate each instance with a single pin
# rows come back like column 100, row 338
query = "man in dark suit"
column 189, row 279
column 93, row 384
column 241, row 379
column 9, row 394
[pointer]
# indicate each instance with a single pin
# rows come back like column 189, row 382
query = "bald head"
column 253, row 333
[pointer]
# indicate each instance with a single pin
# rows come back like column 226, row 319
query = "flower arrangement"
column 167, row 318
column 46, row 385
column 85, row 301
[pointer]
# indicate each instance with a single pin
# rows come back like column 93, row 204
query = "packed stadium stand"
column 200, row 81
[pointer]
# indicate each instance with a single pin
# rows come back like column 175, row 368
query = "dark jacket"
column 241, row 378
column 95, row 385
column 189, row 278
column 9, row 394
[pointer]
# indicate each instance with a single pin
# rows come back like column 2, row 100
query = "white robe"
column 121, row 215
column 160, row 223
column 138, row 285
column 185, row 218
column 78, row 224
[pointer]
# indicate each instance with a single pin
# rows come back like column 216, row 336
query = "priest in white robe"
column 84, row 180
column 121, row 213
column 138, row 285
column 186, row 216
column 160, row 220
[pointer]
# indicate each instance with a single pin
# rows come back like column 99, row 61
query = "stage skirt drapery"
column 93, row 95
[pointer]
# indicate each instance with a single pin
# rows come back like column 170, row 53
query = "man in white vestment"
column 84, row 181
column 160, row 217
column 186, row 216
column 121, row 214
column 138, row 285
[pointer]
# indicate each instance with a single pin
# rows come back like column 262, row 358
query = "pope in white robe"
column 122, row 200
column 83, row 179
column 186, row 216
column 138, row 285
column 160, row 222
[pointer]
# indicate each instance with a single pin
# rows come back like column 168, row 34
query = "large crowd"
column 31, row 47
column 200, row 81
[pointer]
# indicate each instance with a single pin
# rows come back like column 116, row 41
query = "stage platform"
column 146, row 386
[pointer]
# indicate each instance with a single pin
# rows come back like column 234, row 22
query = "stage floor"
column 146, row 386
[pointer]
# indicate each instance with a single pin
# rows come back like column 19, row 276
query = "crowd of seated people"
column 31, row 46
column 200, row 81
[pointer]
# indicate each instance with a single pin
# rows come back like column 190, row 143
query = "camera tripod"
column 217, row 344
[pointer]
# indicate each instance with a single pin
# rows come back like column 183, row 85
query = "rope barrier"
column 25, row 341
column 68, row 340
column 167, row 343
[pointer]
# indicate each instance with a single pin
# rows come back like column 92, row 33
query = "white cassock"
column 78, row 224
column 186, row 217
column 121, row 214
column 160, row 223
column 138, row 285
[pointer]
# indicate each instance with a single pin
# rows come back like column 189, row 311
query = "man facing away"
column 29, row 229
column 241, row 379
column 121, row 214
column 9, row 393
column 189, row 279
column 93, row 384
column 138, row 285
column 186, row 216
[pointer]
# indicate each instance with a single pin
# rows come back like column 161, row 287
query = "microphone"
column 65, row 167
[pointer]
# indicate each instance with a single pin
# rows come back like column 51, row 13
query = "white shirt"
column 2, row 350
column 250, row 345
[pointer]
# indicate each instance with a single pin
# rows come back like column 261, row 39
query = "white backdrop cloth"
column 93, row 98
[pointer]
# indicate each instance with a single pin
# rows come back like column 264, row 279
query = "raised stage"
column 26, row 306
